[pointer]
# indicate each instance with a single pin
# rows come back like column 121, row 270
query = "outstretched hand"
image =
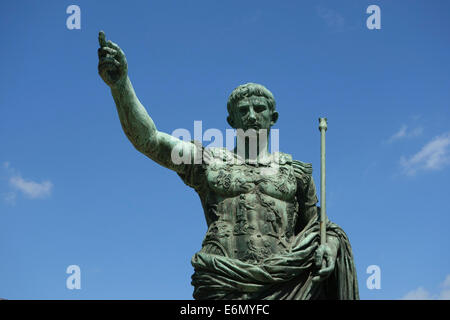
column 112, row 64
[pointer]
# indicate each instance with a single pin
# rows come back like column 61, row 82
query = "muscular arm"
column 140, row 129
column 136, row 123
column 307, row 201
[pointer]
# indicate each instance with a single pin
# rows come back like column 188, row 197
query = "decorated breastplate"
column 251, row 207
column 228, row 176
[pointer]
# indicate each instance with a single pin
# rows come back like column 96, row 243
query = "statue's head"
column 251, row 105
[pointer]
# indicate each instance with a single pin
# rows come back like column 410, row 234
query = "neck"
column 252, row 148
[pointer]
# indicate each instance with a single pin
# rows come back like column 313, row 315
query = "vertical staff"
column 323, row 209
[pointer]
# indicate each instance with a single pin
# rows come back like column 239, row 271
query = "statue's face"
column 252, row 113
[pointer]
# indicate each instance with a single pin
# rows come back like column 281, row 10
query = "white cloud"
column 444, row 295
column 403, row 133
column 31, row 188
column 433, row 156
column 446, row 283
column 417, row 294
column 399, row 134
column 422, row 294
column 445, row 292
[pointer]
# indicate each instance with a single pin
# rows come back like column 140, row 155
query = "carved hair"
column 247, row 90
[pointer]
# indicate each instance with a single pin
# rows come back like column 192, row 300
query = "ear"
column 230, row 121
column 274, row 117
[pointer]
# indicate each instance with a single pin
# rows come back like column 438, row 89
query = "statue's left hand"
column 325, row 259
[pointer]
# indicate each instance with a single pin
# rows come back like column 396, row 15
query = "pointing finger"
column 102, row 39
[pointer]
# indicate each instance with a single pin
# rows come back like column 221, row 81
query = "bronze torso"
column 250, row 209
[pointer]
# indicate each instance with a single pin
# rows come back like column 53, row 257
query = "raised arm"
column 136, row 123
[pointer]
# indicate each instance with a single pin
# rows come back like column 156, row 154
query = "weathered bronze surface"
column 261, row 208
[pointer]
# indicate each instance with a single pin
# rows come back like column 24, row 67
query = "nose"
column 251, row 115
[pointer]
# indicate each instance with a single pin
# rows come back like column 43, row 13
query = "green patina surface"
column 263, row 238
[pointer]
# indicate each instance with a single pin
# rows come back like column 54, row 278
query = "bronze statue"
column 263, row 229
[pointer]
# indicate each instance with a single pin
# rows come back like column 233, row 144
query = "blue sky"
column 74, row 191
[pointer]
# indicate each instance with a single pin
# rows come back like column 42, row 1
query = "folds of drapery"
column 287, row 276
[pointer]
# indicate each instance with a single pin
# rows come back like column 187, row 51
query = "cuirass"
column 251, row 208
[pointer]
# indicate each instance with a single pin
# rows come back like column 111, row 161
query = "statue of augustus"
column 260, row 207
